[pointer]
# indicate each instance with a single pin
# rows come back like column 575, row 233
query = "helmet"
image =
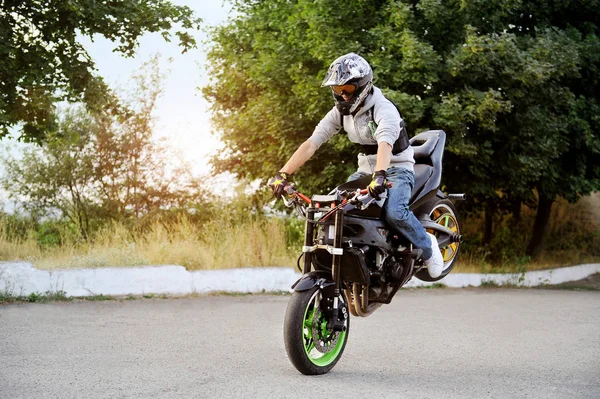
column 353, row 70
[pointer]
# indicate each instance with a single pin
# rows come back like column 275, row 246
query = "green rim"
column 316, row 357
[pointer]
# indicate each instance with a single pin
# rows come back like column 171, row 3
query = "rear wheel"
column 312, row 348
column 444, row 213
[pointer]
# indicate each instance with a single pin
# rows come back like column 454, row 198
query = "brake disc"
column 322, row 343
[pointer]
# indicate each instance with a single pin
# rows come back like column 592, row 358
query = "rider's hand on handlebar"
column 278, row 183
column 378, row 184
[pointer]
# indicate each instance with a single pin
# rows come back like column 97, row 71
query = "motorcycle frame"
column 331, row 283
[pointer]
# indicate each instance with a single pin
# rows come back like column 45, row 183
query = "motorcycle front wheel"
column 311, row 347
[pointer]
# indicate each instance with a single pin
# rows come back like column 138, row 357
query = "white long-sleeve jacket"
column 362, row 130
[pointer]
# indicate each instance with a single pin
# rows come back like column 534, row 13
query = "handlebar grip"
column 365, row 191
column 291, row 190
column 304, row 197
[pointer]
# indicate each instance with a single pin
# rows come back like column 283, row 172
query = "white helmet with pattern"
column 351, row 75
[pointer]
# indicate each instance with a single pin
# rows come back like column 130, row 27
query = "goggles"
column 344, row 89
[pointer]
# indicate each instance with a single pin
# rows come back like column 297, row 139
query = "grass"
column 214, row 245
column 572, row 288
column 240, row 241
column 50, row 296
column 468, row 263
column 432, row 286
column 573, row 238
column 34, row 297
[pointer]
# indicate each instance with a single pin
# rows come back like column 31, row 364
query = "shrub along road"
column 429, row 343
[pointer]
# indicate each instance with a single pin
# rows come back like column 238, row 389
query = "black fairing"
column 314, row 278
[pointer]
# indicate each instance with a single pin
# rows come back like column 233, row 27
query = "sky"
column 182, row 112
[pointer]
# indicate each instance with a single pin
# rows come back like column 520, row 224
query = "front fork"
column 309, row 231
column 334, row 323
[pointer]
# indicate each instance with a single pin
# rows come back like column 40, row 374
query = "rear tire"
column 444, row 213
column 304, row 326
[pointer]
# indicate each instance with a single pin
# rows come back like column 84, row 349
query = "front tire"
column 311, row 347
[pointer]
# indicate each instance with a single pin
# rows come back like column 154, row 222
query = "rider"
column 373, row 121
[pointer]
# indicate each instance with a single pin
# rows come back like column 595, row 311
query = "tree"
column 137, row 175
column 59, row 177
column 538, row 129
column 266, row 68
column 99, row 167
column 548, row 140
column 42, row 62
column 513, row 84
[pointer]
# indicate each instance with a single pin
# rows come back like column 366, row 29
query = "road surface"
column 440, row 343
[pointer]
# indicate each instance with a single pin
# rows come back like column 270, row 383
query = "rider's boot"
column 435, row 264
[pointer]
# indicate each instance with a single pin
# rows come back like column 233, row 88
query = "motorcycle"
column 354, row 263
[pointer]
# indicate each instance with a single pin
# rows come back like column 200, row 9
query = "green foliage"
column 48, row 235
column 489, row 284
column 42, row 62
column 573, row 238
column 513, row 83
column 294, row 229
column 35, row 297
column 56, row 176
column 433, row 286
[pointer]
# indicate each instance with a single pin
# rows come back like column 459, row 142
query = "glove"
column 278, row 183
column 378, row 184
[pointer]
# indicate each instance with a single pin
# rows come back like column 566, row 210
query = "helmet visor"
column 344, row 89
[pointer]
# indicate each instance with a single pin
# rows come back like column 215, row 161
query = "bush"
column 294, row 229
column 572, row 238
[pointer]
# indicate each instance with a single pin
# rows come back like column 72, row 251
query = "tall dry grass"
column 213, row 245
column 573, row 238
column 18, row 248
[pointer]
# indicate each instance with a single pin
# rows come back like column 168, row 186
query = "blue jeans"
column 396, row 210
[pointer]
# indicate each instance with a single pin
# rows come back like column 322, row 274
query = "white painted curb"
column 528, row 279
column 21, row 278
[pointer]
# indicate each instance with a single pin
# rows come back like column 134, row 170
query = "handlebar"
column 357, row 199
column 304, row 197
column 291, row 191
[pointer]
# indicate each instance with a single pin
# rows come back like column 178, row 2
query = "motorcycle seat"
column 423, row 145
column 428, row 160
column 422, row 173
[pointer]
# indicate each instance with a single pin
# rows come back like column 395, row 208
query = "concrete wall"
column 21, row 278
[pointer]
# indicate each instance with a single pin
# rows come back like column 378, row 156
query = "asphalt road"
column 442, row 343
